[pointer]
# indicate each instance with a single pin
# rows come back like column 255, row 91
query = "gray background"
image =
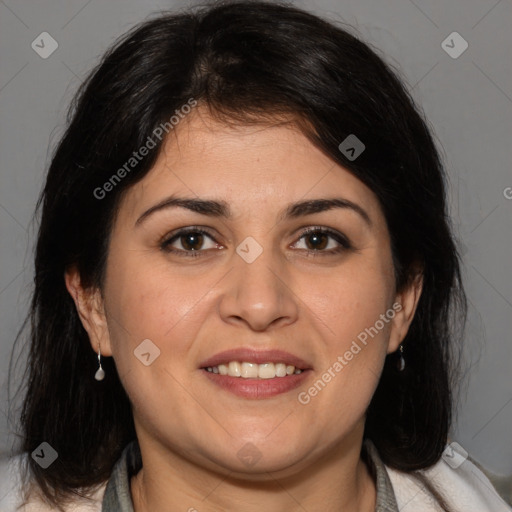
column 467, row 100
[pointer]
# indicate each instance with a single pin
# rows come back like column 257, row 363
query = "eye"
column 190, row 241
column 195, row 241
column 322, row 240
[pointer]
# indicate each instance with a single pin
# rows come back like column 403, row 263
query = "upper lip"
column 250, row 355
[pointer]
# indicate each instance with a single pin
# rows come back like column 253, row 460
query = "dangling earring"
column 401, row 362
column 100, row 374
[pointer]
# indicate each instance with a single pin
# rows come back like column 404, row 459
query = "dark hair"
column 248, row 62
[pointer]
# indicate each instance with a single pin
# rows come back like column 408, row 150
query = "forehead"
column 250, row 166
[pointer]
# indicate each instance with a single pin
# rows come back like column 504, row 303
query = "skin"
column 312, row 305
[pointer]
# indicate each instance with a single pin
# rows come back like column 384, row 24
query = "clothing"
column 465, row 488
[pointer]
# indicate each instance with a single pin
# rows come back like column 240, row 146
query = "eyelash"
column 338, row 237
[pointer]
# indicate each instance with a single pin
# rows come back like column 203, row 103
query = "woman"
column 245, row 282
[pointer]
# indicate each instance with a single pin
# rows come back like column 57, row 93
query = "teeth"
column 267, row 371
column 280, row 370
column 234, row 369
column 254, row 370
column 249, row 370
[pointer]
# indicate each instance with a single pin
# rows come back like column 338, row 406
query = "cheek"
column 352, row 308
column 350, row 299
column 145, row 302
column 148, row 299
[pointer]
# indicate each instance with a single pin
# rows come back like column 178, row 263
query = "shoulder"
column 8, row 484
column 11, row 489
column 462, row 485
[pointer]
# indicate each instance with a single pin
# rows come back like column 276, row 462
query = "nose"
column 259, row 294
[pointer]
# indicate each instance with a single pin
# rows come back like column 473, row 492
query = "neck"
column 336, row 480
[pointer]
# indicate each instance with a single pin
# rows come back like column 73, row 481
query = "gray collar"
column 117, row 497
column 386, row 500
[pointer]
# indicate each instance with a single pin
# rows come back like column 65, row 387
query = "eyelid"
column 339, row 237
column 169, row 238
column 187, row 229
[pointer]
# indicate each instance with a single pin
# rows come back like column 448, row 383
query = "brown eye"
column 322, row 241
column 316, row 241
column 192, row 241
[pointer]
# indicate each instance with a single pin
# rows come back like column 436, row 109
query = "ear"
column 405, row 305
column 90, row 307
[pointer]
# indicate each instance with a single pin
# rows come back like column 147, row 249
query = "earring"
column 401, row 362
column 100, row 374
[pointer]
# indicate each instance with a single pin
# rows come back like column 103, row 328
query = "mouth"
column 249, row 373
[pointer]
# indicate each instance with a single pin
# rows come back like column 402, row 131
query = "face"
column 311, row 282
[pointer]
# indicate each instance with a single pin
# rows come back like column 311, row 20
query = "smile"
column 253, row 370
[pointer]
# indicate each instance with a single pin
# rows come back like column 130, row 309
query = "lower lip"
column 257, row 388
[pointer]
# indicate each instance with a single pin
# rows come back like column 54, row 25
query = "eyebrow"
column 221, row 209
